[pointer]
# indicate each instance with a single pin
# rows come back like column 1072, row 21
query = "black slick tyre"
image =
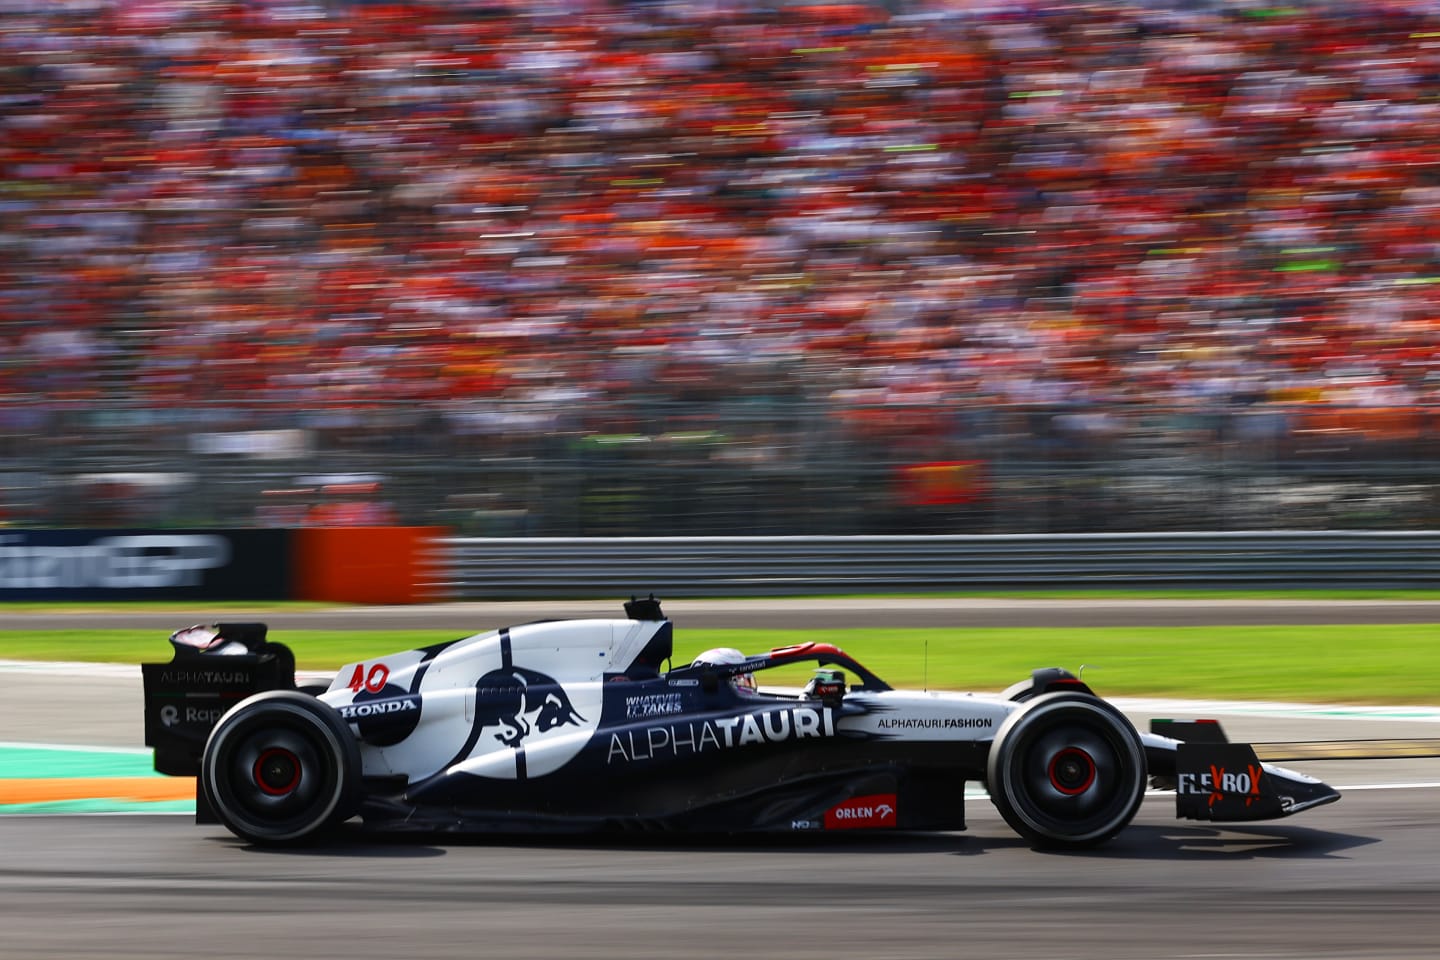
column 1066, row 771
column 281, row 767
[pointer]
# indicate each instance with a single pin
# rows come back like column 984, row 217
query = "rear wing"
column 213, row 668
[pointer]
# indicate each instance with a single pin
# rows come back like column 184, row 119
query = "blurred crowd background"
column 706, row 267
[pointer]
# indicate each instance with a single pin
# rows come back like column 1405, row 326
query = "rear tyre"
column 1066, row 771
column 281, row 767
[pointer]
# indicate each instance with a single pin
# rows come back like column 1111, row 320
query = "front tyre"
column 1066, row 771
column 281, row 767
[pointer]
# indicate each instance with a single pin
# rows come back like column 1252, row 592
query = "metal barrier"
column 489, row 568
column 746, row 465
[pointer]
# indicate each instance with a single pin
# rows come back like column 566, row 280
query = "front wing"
column 1220, row 781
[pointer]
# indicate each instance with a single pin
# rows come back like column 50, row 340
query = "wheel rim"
column 1072, row 771
column 1067, row 772
column 279, row 767
column 275, row 773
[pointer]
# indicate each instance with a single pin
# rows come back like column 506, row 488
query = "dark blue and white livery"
column 580, row 725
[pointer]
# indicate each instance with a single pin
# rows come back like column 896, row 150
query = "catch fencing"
column 498, row 567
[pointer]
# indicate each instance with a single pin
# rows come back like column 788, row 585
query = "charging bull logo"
column 520, row 721
column 518, row 702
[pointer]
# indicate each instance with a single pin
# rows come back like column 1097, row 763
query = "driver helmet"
column 744, row 682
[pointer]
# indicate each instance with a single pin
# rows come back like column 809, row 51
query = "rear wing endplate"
column 205, row 677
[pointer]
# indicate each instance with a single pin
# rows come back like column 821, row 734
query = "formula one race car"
column 575, row 726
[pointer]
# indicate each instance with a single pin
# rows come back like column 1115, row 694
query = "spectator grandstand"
column 935, row 232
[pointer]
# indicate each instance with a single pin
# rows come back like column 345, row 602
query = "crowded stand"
column 516, row 217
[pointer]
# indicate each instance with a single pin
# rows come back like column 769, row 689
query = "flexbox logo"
column 1220, row 783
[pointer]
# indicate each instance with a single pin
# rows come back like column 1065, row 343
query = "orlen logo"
column 877, row 810
column 1219, row 783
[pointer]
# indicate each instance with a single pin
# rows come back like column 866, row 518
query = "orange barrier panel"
column 53, row 789
column 365, row 564
column 1370, row 423
column 943, row 482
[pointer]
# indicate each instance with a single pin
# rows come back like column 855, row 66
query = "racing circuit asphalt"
column 1357, row 880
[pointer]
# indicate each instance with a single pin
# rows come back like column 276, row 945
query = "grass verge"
column 1390, row 663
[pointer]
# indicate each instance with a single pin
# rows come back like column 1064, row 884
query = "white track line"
column 71, row 747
